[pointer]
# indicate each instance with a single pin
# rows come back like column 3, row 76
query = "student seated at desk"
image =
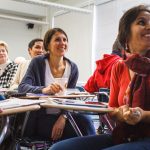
column 100, row 80
column 40, row 78
column 7, row 67
column 129, row 92
column 102, row 73
column 35, row 48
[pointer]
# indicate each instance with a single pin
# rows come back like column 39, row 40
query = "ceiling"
column 19, row 8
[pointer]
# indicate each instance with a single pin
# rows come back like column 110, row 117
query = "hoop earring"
column 126, row 47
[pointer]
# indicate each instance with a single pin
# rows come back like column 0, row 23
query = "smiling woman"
column 140, row 36
column 41, row 75
column 129, row 90
column 7, row 68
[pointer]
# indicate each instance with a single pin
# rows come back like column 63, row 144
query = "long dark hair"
column 125, row 23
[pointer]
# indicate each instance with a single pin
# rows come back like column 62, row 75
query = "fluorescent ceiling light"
column 23, row 19
column 45, row 3
column 81, row 5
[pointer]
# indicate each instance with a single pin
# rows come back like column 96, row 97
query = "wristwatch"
column 64, row 115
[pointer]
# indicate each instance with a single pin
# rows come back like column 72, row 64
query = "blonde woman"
column 7, row 68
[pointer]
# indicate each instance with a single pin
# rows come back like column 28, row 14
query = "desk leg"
column 25, row 122
column 4, row 130
column 73, row 123
column 108, row 123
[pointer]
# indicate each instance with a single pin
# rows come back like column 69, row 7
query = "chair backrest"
column 103, row 95
column 80, row 88
column 2, row 97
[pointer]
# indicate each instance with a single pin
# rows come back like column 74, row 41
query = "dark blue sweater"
column 34, row 79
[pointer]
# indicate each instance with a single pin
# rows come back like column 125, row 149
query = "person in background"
column 52, row 124
column 19, row 60
column 35, row 48
column 100, row 80
column 7, row 67
column 129, row 90
column 102, row 73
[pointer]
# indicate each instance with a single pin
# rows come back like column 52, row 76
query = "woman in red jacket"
column 129, row 90
column 102, row 73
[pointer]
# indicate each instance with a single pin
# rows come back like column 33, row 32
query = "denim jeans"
column 40, row 125
column 99, row 142
column 96, row 142
column 137, row 145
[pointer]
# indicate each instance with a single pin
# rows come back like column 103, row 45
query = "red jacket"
column 101, row 76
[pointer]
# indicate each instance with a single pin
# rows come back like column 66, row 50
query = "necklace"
column 57, row 71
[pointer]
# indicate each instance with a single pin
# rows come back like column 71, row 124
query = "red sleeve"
column 114, row 86
column 91, row 85
column 120, row 80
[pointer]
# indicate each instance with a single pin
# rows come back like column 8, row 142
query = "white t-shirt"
column 49, row 79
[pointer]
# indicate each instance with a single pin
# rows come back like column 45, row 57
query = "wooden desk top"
column 19, row 109
column 13, row 106
column 76, row 108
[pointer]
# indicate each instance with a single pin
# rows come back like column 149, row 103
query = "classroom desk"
column 5, row 116
column 73, row 108
column 68, row 107
column 79, row 95
column 21, row 109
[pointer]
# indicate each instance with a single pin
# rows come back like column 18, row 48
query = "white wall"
column 78, row 27
column 105, row 28
column 17, row 35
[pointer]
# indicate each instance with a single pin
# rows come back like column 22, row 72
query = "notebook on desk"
column 77, row 102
